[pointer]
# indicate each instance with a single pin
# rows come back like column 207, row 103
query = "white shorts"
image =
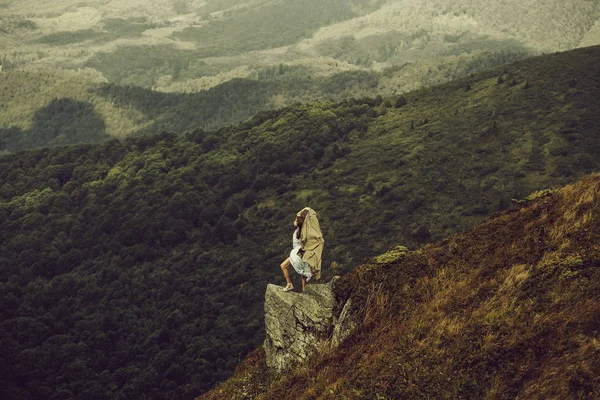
column 301, row 267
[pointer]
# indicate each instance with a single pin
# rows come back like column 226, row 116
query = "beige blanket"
column 312, row 241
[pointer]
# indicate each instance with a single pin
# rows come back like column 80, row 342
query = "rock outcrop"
column 299, row 324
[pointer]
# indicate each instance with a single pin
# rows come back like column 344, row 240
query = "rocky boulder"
column 299, row 324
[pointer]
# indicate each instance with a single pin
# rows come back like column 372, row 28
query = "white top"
column 296, row 242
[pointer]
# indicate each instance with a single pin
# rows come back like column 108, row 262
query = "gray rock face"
column 345, row 324
column 298, row 324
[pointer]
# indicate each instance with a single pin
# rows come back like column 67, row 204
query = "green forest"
column 136, row 268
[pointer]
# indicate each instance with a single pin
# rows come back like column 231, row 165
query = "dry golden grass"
column 578, row 203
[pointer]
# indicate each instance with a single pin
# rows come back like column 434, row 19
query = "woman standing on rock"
column 307, row 248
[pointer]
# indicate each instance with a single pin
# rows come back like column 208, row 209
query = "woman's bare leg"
column 284, row 268
column 303, row 282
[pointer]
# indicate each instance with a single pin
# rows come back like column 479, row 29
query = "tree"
column 400, row 102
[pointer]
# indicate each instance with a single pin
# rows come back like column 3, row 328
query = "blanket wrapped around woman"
column 312, row 242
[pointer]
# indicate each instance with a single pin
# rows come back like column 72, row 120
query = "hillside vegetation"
column 509, row 309
column 137, row 268
column 58, row 107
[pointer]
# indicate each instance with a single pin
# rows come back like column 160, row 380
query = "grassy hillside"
column 137, row 268
column 509, row 309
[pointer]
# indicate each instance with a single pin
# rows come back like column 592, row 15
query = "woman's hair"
column 299, row 221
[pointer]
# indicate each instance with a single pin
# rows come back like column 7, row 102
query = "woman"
column 307, row 248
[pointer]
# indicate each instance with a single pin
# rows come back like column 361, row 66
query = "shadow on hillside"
column 62, row 122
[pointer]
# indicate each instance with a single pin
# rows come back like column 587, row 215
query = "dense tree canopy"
column 139, row 255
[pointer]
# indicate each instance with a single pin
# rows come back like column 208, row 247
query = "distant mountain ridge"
column 30, row 99
column 189, row 46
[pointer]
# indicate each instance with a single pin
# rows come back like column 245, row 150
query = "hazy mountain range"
column 238, row 38
column 289, row 51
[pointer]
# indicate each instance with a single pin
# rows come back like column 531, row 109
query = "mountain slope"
column 508, row 309
column 145, row 250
